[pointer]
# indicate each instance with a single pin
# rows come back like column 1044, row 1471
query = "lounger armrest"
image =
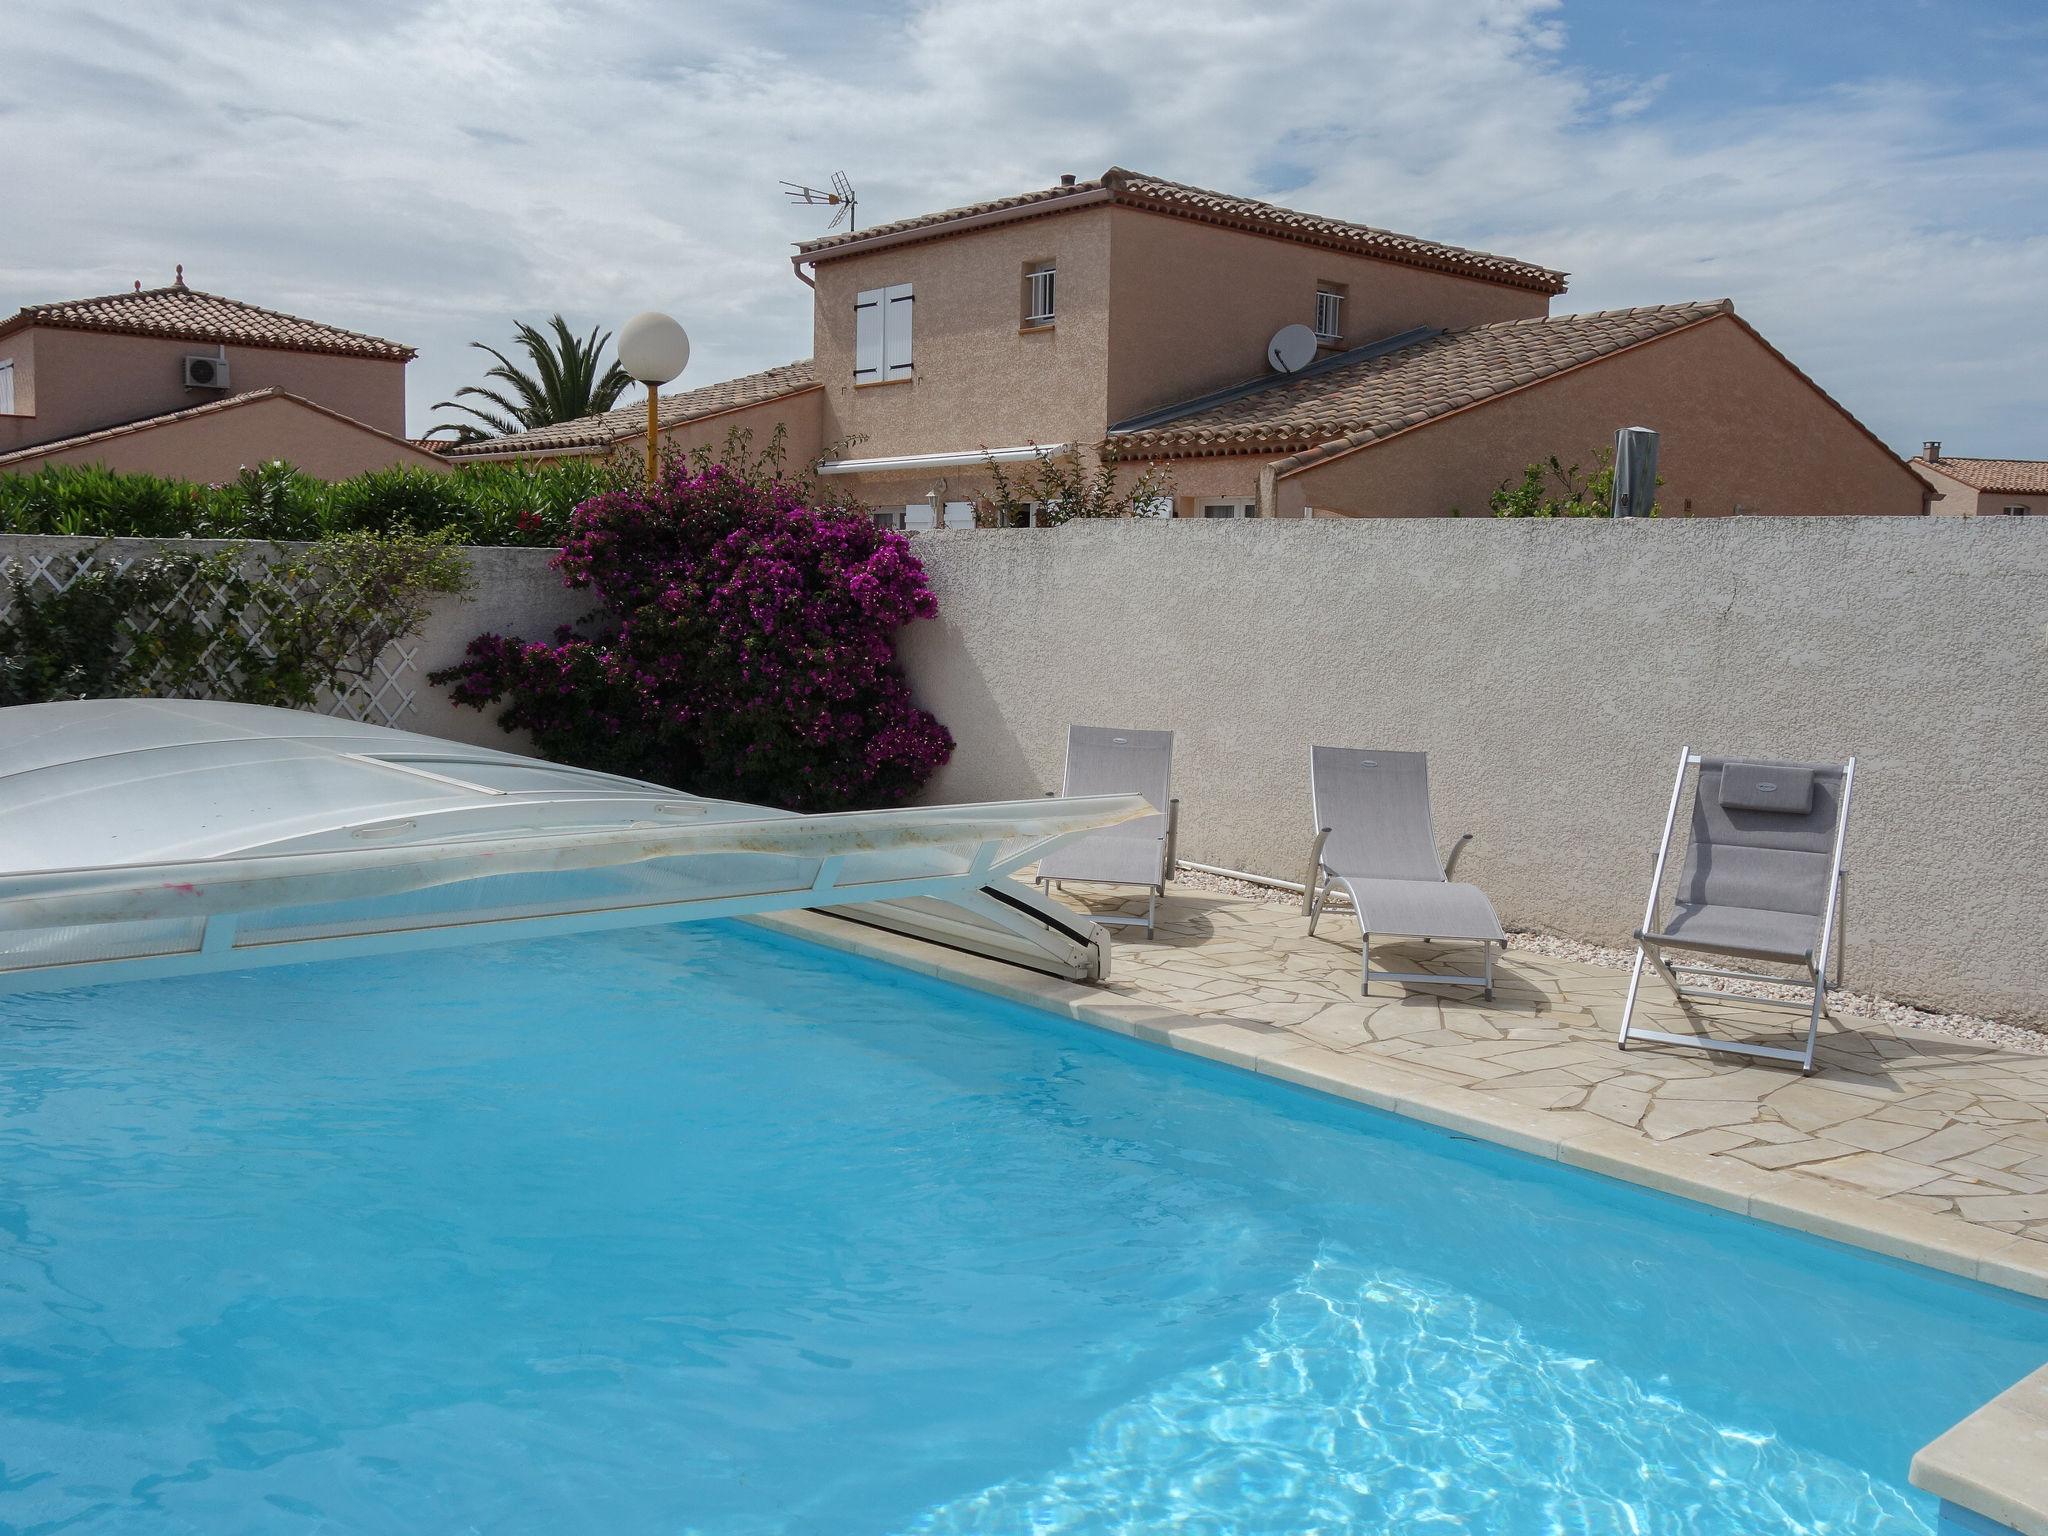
column 1456, row 848
column 1172, row 838
column 1314, row 875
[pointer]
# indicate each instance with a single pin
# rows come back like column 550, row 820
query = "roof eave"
column 23, row 320
column 1064, row 203
column 607, row 444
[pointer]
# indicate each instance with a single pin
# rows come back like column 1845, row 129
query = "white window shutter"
column 896, row 331
column 918, row 516
column 867, row 336
column 959, row 514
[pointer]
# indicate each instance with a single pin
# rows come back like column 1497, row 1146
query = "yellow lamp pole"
column 654, row 350
column 653, row 455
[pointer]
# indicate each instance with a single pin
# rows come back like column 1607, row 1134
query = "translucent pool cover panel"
column 171, row 835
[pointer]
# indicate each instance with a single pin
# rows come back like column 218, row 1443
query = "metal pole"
column 653, row 390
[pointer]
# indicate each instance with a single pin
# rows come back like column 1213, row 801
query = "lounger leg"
column 1315, row 911
column 1628, row 1008
column 1663, row 970
column 1364, row 963
column 1820, row 1003
column 1488, row 947
column 1151, row 910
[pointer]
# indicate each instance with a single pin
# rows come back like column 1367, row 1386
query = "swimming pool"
column 702, row 1229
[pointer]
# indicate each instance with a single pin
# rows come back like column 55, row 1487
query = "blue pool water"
column 698, row 1230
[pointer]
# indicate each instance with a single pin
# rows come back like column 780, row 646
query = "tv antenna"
column 838, row 196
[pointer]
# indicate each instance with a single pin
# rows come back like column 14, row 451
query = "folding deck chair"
column 1107, row 760
column 1762, row 880
column 1375, row 836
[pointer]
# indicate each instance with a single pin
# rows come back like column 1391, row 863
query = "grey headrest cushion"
column 1766, row 787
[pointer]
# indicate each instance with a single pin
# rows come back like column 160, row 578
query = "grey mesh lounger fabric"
column 1105, row 760
column 1761, row 881
column 1376, row 837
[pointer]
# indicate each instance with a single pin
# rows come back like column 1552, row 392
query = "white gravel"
column 1960, row 1026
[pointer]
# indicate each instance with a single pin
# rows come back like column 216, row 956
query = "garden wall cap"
column 587, row 433
column 186, row 314
column 1134, row 190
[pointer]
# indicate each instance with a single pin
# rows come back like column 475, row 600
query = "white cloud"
column 434, row 171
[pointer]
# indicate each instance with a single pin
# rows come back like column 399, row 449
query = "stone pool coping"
column 1994, row 1464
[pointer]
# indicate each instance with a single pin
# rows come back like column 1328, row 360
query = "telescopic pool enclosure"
column 151, row 837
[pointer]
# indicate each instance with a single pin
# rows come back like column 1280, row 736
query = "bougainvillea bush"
column 741, row 648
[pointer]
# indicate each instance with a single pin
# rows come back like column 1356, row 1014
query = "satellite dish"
column 1292, row 349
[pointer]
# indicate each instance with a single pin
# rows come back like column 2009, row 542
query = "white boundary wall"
column 1551, row 669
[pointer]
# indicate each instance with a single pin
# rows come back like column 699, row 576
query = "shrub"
column 1066, row 490
column 474, row 503
column 742, row 648
column 1555, row 489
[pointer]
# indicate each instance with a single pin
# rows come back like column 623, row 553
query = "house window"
column 2015, row 511
column 1329, row 313
column 881, row 334
column 887, row 517
column 1038, row 296
column 6, row 386
column 1230, row 509
column 1032, row 514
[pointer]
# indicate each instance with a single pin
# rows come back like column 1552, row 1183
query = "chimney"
column 1931, row 450
column 1067, row 180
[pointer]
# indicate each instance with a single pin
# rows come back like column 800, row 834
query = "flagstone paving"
column 1933, row 1123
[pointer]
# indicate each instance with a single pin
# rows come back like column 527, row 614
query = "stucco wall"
column 216, row 446
column 1193, row 306
column 1552, row 671
column 1738, row 428
column 979, row 382
column 85, row 380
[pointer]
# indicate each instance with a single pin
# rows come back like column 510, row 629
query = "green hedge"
column 474, row 504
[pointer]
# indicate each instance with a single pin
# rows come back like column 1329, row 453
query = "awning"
column 966, row 458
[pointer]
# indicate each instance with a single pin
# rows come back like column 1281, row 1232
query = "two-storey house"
column 194, row 386
column 1274, row 363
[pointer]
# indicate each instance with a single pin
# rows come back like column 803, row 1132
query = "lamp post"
column 653, row 349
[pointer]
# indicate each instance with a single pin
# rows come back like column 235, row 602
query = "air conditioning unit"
column 203, row 372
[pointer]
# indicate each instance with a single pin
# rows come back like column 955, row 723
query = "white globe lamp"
column 653, row 349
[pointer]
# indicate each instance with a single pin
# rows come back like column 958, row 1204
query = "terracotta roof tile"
column 189, row 315
column 2001, row 477
column 617, row 426
column 1131, row 189
column 1385, row 393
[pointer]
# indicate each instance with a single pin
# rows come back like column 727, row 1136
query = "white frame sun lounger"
column 1116, row 760
column 1762, row 880
column 1376, row 837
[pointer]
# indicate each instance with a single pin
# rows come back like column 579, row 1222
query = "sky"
column 1868, row 179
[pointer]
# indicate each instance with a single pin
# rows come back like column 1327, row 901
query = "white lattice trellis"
column 385, row 697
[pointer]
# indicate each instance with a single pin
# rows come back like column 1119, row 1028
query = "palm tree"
column 564, row 384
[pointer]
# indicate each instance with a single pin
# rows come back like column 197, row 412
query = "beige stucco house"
column 194, row 386
column 1137, row 314
column 1983, row 487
